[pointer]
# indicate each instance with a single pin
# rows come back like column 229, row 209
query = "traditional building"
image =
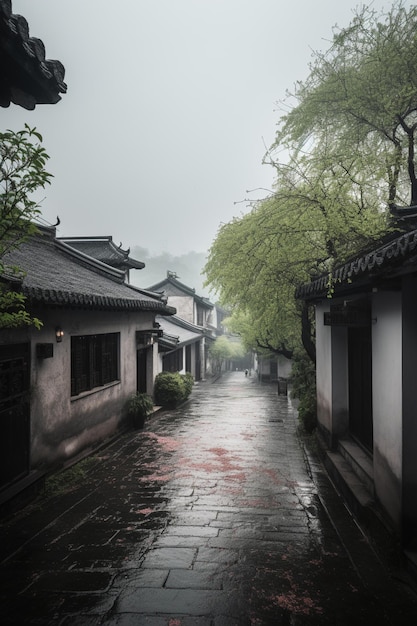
column 366, row 342
column 105, row 250
column 180, row 346
column 63, row 388
column 195, row 310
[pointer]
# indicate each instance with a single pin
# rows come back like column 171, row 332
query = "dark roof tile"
column 381, row 260
column 28, row 78
column 171, row 286
column 56, row 274
column 105, row 250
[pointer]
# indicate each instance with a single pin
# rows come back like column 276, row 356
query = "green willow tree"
column 348, row 155
column 362, row 93
column 223, row 349
column 257, row 261
column 22, row 173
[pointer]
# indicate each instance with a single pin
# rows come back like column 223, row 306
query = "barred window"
column 200, row 316
column 173, row 362
column 94, row 361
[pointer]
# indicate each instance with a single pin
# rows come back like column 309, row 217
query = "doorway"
column 360, row 385
column 141, row 370
column 14, row 413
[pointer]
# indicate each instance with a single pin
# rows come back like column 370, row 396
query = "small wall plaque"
column 44, row 350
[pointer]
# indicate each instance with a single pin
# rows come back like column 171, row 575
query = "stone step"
column 359, row 461
column 358, row 498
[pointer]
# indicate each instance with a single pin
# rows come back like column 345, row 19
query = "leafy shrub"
column 172, row 388
column 189, row 382
column 169, row 389
column 139, row 406
column 303, row 378
column 307, row 411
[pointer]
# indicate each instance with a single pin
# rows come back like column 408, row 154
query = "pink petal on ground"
column 145, row 511
column 167, row 443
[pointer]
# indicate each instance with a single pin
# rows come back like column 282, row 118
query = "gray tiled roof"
column 57, row 274
column 105, row 250
column 172, row 287
column 176, row 327
column 28, row 78
column 385, row 258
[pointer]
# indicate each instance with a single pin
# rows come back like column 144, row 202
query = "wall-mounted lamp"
column 147, row 336
column 59, row 333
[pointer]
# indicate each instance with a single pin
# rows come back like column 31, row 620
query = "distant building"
column 195, row 310
column 180, row 346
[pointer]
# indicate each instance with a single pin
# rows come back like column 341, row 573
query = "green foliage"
column 138, row 407
column 22, row 172
column 12, row 310
column 225, row 349
column 303, row 379
column 342, row 154
column 361, row 96
column 172, row 388
column 67, row 480
column 257, row 261
column 188, row 383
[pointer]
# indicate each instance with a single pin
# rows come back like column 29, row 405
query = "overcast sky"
column 169, row 107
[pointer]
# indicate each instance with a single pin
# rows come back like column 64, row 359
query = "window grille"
column 94, row 361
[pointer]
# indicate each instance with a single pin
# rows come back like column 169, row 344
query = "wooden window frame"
column 173, row 361
column 95, row 361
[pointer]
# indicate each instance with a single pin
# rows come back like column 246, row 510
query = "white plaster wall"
column 202, row 347
column 156, row 366
column 182, row 371
column 61, row 426
column 323, row 368
column 212, row 317
column 184, row 306
column 194, row 347
column 387, row 400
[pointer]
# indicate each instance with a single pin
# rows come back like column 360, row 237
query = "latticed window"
column 173, row 362
column 94, row 361
column 200, row 317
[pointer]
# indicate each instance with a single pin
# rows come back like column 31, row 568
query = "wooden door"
column 141, row 370
column 14, row 413
column 360, row 385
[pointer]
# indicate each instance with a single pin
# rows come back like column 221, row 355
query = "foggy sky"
column 169, row 108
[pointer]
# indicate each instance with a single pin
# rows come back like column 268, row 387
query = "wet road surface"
column 213, row 515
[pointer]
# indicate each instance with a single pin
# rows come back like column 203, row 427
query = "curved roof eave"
column 31, row 79
column 60, row 298
column 363, row 268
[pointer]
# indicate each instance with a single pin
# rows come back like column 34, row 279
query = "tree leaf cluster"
column 225, row 349
column 344, row 152
column 362, row 92
column 23, row 172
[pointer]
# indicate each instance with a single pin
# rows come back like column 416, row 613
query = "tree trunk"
column 306, row 333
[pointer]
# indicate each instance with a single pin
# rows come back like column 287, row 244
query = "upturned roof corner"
column 28, row 77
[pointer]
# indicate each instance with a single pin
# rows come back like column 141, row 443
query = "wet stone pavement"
column 213, row 515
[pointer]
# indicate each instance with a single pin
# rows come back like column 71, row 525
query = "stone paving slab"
column 209, row 516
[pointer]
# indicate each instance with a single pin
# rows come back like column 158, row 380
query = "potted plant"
column 139, row 406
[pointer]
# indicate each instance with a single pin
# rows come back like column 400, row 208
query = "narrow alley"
column 213, row 515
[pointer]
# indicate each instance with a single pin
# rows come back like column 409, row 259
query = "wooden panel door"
column 360, row 385
column 14, row 413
